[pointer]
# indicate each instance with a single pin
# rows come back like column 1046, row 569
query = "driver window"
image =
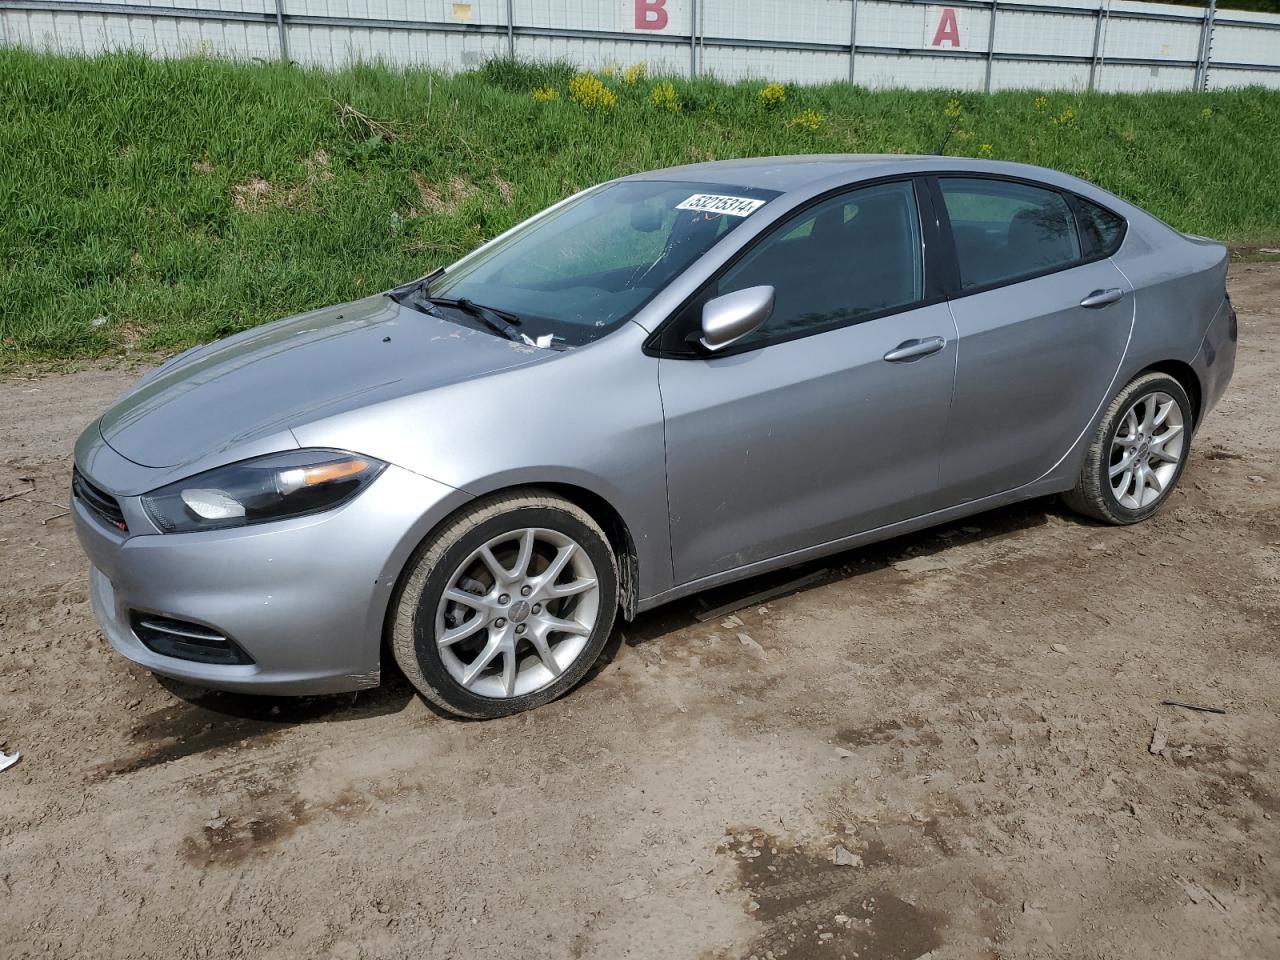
column 852, row 257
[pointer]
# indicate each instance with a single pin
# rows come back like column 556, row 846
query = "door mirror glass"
column 727, row 319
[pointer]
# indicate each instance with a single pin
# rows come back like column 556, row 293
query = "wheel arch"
column 1185, row 374
column 624, row 548
column 594, row 504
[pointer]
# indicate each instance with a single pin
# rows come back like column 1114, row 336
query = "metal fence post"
column 1097, row 45
column 853, row 38
column 693, row 41
column 511, row 31
column 991, row 46
column 284, row 37
column 1201, row 80
column 1208, row 45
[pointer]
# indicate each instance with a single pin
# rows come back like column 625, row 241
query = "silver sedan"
column 661, row 384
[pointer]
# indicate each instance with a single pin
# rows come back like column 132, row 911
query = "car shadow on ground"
column 204, row 721
column 846, row 566
column 199, row 721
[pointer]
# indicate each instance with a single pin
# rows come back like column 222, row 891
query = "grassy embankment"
column 146, row 206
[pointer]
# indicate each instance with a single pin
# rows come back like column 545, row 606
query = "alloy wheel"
column 1146, row 451
column 517, row 613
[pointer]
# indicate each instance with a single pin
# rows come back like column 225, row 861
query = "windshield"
column 584, row 269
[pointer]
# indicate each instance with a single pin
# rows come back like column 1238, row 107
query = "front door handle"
column 910, row 350
column 1100, row 298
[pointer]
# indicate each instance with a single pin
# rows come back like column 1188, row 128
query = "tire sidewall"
column 426, row 651
column 1158, row 383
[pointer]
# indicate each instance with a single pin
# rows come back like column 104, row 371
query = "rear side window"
column 1008, row 231
column 1101, row 231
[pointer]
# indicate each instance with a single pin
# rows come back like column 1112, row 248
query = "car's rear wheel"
column 1138, row 452
column 507, row 606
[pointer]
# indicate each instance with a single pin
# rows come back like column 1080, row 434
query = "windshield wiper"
column 423, row 287
column 497, row 320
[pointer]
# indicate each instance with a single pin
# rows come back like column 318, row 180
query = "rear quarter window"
column 1101, row 231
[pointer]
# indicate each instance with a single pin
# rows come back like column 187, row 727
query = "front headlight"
column 274, row 487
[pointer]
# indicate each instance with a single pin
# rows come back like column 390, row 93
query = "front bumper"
column 304, row 598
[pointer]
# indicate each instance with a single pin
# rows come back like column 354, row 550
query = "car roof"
column 785, row 174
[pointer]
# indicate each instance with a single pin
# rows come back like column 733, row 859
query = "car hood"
column 273, row 378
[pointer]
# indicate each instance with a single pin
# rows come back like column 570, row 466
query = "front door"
column 829, row 419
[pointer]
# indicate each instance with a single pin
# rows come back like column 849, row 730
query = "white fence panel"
column 254, row 6
column 919, row 73
column 765, row 63
column 1133, row 78
column 920, row 26
column 1151, row 39
column 802, row 21
column 154, row 36
column 1050, row 44
column 320, row 45
column 617, row 16
column 1064, row 35
column 1246, row 38
column 492, row 12
column 1226, row 79
column 1030, row 75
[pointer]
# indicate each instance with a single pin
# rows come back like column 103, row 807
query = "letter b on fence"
column 651, row 14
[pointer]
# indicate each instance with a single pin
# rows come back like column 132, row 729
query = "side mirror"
column 727, row 319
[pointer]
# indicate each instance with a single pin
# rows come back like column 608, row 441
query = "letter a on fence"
column 947, row 29
column 651, row 14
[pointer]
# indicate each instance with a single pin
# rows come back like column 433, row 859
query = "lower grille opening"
column 186, row 641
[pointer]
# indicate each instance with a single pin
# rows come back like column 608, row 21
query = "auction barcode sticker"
column 714, row 203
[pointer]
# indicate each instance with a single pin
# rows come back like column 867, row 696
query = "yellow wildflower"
column 773, row 94
column 545, row 94
column 1206, row 113
column 984, row 150
column 590, row 93
column 809, row 120
column 664, row 97
column 1041, row 102
column 635, row 73
column 953, row 108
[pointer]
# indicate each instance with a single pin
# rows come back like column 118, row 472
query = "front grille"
column 100, row 503
column 185, row 640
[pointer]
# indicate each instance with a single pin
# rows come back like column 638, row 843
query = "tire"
column 541, row 643
column 1096, row 492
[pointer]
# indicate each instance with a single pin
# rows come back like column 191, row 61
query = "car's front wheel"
column 1138, row 452
column 507, row 606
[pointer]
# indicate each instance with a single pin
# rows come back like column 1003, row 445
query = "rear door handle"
column 910, row 350
column 1100, row 298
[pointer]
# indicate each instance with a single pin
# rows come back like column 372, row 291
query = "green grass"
column 148, row 205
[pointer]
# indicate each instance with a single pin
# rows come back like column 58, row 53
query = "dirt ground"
column 944, row 750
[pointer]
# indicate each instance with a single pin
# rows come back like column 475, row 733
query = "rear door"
column 817, row 426
column 1043, row 322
